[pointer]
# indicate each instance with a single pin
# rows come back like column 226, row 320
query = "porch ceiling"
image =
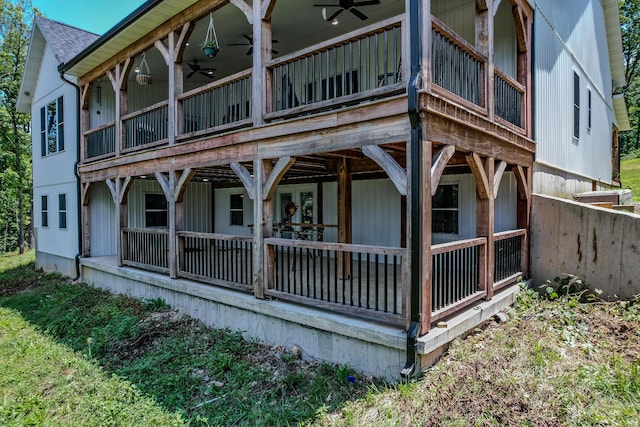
column 295, row 24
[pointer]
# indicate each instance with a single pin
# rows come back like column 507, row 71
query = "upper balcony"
column 307, row 66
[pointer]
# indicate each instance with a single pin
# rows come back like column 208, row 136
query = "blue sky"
column 89, row 15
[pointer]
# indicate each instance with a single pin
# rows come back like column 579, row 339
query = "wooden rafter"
column 279, row 169
column 396, row 173
column 181, row 185
column 438, row 163
column 497, row 177
column 175, row 183
column 86, row 193
column 477, row 168
column 119, row 189
column 84, row 98
column 244, row 8
column 245, row 177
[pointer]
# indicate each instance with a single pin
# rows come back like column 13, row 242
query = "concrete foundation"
column 602, row 246
column 51, row 263
column 371, row 348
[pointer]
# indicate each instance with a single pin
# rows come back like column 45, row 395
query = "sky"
column 89, row 15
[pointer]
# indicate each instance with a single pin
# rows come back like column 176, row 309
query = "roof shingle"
column 66, row 41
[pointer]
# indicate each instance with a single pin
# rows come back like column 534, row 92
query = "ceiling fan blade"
column 249, row 38
column 327, row 5
column 357, row 13
column 250, row 51
column 210, row 75
column 335, row 15
column 274, row 52
column 366, row 3
column 191, row 74
column 238, row 44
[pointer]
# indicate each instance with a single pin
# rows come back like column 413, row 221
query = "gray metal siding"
column 103, row 221
column 570, row 37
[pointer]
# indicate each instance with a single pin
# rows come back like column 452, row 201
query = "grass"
column 630, row 175
column 74, row 355
column 138, row 357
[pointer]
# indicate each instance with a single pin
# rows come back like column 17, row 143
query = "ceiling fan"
column 194, row 67
column 349, row 5
column 250, row 44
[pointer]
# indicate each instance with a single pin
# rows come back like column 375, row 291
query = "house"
column 343, row 178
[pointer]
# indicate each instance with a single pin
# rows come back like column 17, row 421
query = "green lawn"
column 630, row 176
column 73, row 355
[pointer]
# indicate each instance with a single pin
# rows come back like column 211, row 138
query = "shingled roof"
column 66, row 41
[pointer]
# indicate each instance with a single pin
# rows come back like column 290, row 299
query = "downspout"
column 416, row 185
column 75, row 172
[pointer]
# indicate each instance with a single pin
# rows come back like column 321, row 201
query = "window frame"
column 62, row 211
column 156, row 210
column 576, row 106
column 56, row 128
column 44, row 211
column 447, row 209
column 234, row 219
column 589, row 106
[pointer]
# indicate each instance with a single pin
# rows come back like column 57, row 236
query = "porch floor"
column 372, row 347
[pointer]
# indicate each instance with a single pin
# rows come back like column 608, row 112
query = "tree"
column 630, row 28
column 15, row 142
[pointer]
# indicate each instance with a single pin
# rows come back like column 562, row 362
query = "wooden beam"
column 86, row 218
column 84, row 97
column 164, row 51
column 523, row 182
column 245, row 177
column 485, row 221
column 481, row 5
column 86, row 192
column 396, row 173
column 181, row 44
column 496, row 6
column 181, row 185
column 163, row 180
column 438, row 162
column 267, row 9
column 477, row 168
column 344, row 216
column 244, row 8
column 497, row 178
column 112, row 189
column 279, row 169
column 521, row 29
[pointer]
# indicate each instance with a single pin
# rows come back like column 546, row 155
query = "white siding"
column 103, row 221
column 375, row 213
column 459, row 15
column 54, row 174
column 570, row 37
column 506, row 204
column 197, row 204
column 222, row 209
column 505, row 41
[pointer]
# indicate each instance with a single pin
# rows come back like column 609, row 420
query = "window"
column 576, row 105
column 62, row 210
column 445, row 210
column 52, row 127
column 155, row 210
column 45, row 211
column 588, row 109
column 237, row 209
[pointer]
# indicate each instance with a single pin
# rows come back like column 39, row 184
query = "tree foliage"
column 630, row 28
column 15, row 141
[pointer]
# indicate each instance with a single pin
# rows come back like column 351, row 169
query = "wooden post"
column 426, row 224
column 84, row 120
column 86, row 219
column 267, row 229
column 485, row 181
column 119, row 189
column 118, row 78
column 523, row 178
column 258, row 229
column 344, row 215
column 485, row 10
column 261, row 55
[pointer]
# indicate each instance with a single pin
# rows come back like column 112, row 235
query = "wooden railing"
column 218, row 259
column 509, row 96
column 146, row 127
column 222, row 104
column 357, row 65
column 508, row 256
column 456, row 66
column 358, row 279
column 146, row 248
column 458, row 275
column 101, row 141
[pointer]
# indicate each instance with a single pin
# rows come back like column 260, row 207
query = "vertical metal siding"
column 505, row 40
column 375, row 213
column 459, row 15
column 222, row 203
column 570, row 37
column 103, row 221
